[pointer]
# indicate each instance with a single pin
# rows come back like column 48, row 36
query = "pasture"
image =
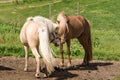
column 103, row 15
column 104, row 25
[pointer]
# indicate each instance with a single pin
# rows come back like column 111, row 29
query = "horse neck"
column 46, row 21
column 50, row 26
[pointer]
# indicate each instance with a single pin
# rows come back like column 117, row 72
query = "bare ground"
column 11, row 68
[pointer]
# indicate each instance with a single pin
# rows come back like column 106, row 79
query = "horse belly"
column 76, row 32
column 23, row 37
column 76, row 27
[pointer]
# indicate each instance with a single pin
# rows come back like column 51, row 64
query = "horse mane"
column 63, row 19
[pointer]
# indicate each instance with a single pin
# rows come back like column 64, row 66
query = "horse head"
column 53, row 36
column 54, row 39
column 51, row 26
column 62, row 30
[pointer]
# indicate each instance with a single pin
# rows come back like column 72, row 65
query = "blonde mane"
column 63, row 19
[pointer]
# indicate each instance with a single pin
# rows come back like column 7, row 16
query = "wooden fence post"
column 16, row 1
column 50, row 10
column 78, row 8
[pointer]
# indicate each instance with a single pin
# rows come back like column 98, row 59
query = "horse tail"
column 88, row 33
column 45, row 49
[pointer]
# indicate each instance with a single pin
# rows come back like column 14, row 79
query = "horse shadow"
column 3, row 68
column 91, row 66
column 62, row 73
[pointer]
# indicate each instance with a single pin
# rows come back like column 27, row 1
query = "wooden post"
column 50, row 10
column 16, row 1
column 78, row 8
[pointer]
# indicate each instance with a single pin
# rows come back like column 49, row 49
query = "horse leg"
column 26, row 58
column 84, row 42
column 68, row 52
column 37, row 57
column 61, row 52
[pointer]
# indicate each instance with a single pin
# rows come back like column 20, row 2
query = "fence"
column 47, row 9
column 76, row 12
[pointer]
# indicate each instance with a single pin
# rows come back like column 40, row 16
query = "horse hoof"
column 61, row 64
column 37, row 75
column 42, row 75
column 85, row 63
column 25, row 69
column 68, row 65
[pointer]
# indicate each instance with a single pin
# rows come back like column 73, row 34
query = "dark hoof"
column 85, row 64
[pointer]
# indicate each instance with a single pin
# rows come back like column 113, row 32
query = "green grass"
column 106, row 44
column 117, row 78
column 103, row 16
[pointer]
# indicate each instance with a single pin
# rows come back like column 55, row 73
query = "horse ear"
column 66, row 16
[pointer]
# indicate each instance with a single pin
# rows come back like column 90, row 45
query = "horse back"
column 76, row 25
column 29, row 33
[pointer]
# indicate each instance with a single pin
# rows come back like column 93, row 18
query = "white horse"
column 36, row 33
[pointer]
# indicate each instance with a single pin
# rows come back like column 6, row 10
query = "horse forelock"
column 63, row 25
column 62, row 17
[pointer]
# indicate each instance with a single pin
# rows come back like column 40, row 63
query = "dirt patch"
column 11, row 68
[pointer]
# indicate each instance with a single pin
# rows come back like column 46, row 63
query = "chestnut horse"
column 70, row 27
column 36, row 33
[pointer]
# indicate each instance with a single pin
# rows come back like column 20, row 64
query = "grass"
column 103, row 16
column 106, row 44
column 117, row 78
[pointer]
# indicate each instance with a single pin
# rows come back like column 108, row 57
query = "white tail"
column 45, row 48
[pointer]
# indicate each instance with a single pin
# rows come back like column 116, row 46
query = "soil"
column 11, row 68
